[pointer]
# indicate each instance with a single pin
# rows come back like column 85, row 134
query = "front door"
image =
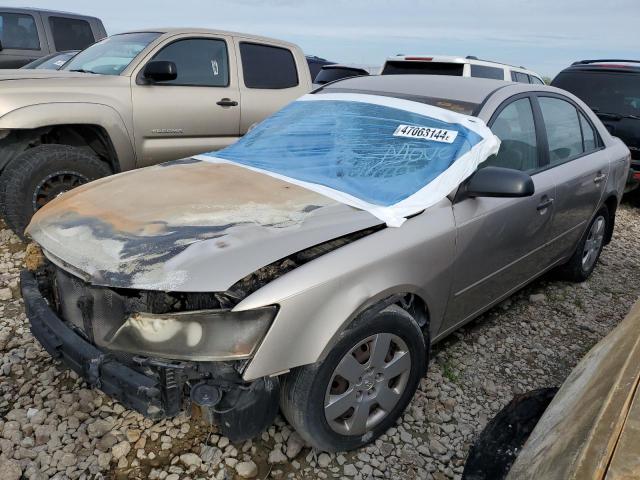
column 197, row 112
column 500, row 242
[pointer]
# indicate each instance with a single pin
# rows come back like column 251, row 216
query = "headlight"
column 201, row 335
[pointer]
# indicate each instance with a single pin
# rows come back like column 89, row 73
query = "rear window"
column 70, row 33
column 422, row 68
column 265, row 66
column 482, row 71
column 327, row 75
column 604, row 92
column 18, row 31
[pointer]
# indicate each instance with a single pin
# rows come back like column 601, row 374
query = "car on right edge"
column 612, row 89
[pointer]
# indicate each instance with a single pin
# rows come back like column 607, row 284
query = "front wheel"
column 583, row 262
column 363, row 385
column 40, row 174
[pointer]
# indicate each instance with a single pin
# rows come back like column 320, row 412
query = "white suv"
column 457, row 66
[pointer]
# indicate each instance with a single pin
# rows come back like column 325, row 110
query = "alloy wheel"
column 593, row 244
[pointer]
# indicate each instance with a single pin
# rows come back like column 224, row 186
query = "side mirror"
column 1, row 47
column 160, row 71
column 500, row 182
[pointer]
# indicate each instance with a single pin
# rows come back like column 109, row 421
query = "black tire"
column 26, row 177
column 575, row 270
column 302, row 396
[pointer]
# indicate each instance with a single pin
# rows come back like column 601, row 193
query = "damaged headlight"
column 202, row 335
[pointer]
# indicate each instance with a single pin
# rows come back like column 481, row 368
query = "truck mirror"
column 160, row 71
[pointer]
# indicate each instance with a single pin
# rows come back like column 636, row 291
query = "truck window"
column 200, row 62
column 482, row 71
column 265, row 66
column 18, row 31
column 70, row 33
column 422, row 68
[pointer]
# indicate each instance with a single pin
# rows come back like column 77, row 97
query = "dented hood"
column 186, row 226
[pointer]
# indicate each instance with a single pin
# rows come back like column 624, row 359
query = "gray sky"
column 543, row 35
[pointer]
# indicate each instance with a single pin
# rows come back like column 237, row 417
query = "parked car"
column 214, row 84
column 612, row 89
column 53, row 61
column 589, row 428
column 468, row 66
column 331, row 73
column 230, row 287
column 315, row 64
column 27, row 34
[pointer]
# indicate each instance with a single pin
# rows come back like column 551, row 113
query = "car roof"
column 609, row 65
column 170, row 31
column 454, row 59
column 47, row 11
column 464, row 89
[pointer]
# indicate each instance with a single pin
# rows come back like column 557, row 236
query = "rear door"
column 23, row 38
column 577, row 158
column 271, row 76
column 197, row 112
column 501, row 242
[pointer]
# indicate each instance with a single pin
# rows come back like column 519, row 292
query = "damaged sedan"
column 310, row 266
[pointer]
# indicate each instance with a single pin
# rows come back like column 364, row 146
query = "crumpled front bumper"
column 131, row 388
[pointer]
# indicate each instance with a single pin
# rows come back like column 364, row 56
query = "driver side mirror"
column 160, row 71
column 500, row 182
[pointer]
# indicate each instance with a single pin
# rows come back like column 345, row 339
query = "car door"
column 500, row 242
column 22, row 37
column 197, row 112
column 271, row 77
column 580, row 167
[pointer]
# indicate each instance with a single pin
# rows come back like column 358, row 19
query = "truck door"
column 197, row 112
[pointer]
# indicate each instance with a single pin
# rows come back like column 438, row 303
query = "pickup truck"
column 27, row 34
column 132, row 100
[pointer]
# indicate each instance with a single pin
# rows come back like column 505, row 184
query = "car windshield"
column 51, row 62
column 605, row 92
column 111, row 55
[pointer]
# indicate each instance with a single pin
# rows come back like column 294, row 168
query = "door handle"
column 600, row 177
column 544, row 204
column 227, row 102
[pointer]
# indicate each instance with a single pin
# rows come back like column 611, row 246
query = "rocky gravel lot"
column 52, row 426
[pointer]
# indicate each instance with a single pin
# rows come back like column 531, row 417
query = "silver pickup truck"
column 132, row 100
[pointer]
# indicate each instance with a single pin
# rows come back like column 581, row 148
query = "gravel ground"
column 52, row 426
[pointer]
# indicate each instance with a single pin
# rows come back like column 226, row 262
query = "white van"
column 468, row 66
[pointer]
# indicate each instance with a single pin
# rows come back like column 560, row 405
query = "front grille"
column 97, row 312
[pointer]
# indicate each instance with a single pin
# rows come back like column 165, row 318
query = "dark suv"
column 612, row 89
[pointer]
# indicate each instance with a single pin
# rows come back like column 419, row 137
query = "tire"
column 306, row 389
column 576, row 269
column 39, row 174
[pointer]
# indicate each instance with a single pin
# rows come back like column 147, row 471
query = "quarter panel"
column 318, row 299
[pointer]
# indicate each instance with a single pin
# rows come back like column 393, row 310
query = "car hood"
column 188, row 225
column 38, row 74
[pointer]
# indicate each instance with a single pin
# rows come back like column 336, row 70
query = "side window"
column 536, row 80
column 515, row 128
column 519, row 77
column 18, row 31
column 265, row 66
column 563, row 129
column 588, row 135
column 70, row 33
column 482, row 71
column 199, row 62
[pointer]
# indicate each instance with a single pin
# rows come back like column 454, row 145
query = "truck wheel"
column 363, row 385
column 583, row 262
column 38, row 175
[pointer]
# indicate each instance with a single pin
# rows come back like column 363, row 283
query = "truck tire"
column 40, row 174
column 385, row 356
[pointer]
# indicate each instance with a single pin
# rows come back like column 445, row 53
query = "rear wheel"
column 583, row 262
column 363, row 385
column 40, row 174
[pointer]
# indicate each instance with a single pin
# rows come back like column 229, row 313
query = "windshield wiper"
column 81, row 70
column 615, row 116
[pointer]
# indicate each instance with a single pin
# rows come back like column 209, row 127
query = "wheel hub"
column 54, row 185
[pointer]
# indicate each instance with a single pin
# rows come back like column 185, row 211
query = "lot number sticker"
column 426, row 133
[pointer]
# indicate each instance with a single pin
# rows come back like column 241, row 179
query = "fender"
column 48, row 114
column 319, row 299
